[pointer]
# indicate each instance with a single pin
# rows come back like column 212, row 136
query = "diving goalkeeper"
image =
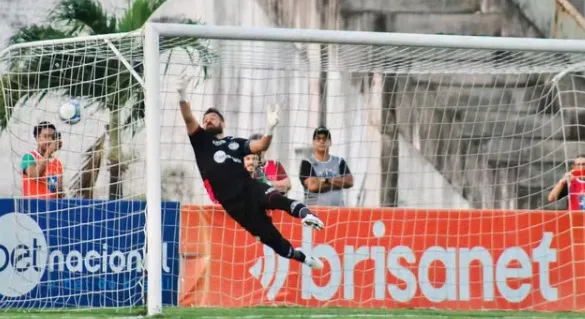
column 220, row 163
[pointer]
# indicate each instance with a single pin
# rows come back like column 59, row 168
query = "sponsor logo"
column 25, row 256
column 271, row 270
column 219, row 157
column 513, row 273
column 233, row 146
column 52, row 182
column 401, row 262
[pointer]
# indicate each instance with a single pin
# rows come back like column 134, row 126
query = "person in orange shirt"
column 572, row 185
column 42, row 172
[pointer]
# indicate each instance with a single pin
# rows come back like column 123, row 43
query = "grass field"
column 284, row 313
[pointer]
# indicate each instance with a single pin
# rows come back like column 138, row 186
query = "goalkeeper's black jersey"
column 220, row 163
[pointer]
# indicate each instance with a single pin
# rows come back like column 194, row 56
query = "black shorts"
column 249, row 210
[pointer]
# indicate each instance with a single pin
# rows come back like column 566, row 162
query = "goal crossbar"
column 103, row 37
column 366, row 38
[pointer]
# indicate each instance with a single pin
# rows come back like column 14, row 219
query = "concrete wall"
column 241, row 93
column 397, row 145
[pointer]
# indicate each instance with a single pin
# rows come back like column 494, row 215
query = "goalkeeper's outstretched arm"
column 191, row 121
column 261, row 145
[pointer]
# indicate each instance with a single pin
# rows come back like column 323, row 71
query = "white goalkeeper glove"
column 271, row 118
column 182, row 84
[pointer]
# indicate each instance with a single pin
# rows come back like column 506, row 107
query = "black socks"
column 293, row 207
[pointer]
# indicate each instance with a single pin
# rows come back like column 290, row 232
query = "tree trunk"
column 115, row 157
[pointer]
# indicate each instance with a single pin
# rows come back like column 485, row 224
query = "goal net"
column 452, row 153
column 74, row 233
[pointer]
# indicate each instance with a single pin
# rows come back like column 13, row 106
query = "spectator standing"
column 42, row 172
column 572, row 185
column 324, row 176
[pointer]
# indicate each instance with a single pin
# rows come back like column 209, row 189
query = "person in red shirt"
column 572, row 185
column 273, row 170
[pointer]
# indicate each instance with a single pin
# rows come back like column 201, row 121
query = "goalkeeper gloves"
column 182, row 84
column 271, row 118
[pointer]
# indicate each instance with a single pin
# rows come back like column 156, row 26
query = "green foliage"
column 9, row 95
column 37, row 33
column 79, row 16
column 138, row 13
column 89, row 72
column 85, row 75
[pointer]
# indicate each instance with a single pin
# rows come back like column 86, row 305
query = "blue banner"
column 81, row 253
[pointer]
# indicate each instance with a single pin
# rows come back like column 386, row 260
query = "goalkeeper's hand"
column 182, row 84
column 272, row 111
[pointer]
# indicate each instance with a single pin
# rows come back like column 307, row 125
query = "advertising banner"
column 80, row 253
column 393, row 258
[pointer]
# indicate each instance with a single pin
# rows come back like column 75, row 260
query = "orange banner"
column 393, row 258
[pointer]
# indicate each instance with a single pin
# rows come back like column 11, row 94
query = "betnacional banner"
column 81, row 253
column 482, row 259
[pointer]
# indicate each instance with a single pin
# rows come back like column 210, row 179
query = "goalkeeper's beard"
column 215, row 130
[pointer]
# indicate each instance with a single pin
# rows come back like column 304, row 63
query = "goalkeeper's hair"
column 255, row 136
column 214, row 110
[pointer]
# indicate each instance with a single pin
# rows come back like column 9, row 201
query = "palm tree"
column 107, row 82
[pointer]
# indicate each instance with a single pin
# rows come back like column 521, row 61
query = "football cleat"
column 313, row 221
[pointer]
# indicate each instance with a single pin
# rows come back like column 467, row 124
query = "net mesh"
column 436, row 134
column 485, row 126
column 81, row 251
column 430, row 129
